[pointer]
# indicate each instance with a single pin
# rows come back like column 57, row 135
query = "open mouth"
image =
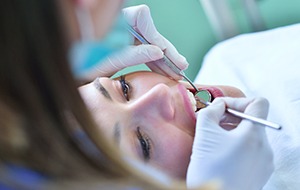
column 214, row 92
column 196, row 104
column 211, row 92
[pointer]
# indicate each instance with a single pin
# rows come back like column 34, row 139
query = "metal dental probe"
column 166, row 59
column 199, row 99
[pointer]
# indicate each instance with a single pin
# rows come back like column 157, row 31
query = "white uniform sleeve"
column 266, row 64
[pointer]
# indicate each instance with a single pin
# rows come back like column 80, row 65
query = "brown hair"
column 37, row 89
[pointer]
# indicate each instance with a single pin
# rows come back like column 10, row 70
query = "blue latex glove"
column 240, row 158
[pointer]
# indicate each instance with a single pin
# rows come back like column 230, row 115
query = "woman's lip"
column 186, row 102
column 215, row 92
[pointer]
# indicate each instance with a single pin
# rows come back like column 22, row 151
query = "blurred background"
column 194, row 26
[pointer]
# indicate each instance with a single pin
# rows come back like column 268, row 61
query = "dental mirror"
column 201, row 97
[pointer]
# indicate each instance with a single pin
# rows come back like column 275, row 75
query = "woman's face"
column 148, row 116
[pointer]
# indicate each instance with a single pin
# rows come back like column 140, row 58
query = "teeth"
column 192, row 99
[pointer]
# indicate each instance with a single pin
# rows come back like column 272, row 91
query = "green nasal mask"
column 88, row 52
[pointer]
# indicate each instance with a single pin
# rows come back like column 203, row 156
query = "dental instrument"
column 201, row 101
column 170, row 64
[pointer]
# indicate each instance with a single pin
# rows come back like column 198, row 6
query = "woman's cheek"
column 177, row 151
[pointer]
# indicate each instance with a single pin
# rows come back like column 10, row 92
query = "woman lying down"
column 152, row 118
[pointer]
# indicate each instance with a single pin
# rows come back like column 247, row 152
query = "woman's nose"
column 155, row 104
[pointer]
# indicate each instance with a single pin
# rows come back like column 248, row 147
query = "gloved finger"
column 238, row 104
column 160, row 67
column 211, row 114
column 149, row 54
column 172, row 53
column 259, row 107
column 139, row 17
column 229, row 121
column 132, row 55
column 214, row 111
column 226, row 121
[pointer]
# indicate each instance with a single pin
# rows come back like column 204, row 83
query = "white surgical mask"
column 89, row 51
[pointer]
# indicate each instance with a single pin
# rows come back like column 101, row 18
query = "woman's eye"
column 125, row 87
column 145, row 144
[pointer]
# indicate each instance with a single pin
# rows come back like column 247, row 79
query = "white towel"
column 266, row 64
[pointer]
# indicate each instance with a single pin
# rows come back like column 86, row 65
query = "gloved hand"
column 240, row 158
column 140, row 19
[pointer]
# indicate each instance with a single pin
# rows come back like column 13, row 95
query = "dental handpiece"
column 199, row 99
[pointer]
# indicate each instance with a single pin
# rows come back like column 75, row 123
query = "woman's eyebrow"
column 100, row 87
